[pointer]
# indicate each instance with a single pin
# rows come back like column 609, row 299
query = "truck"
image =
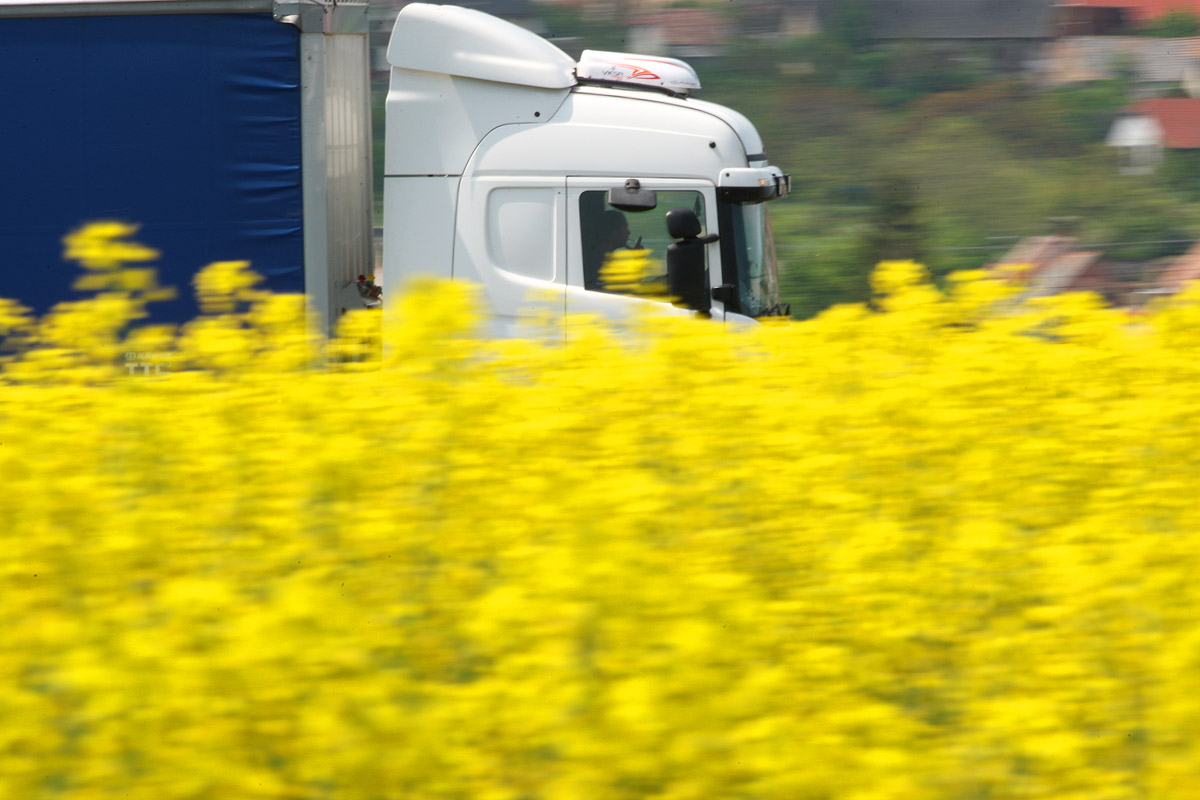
column 242, row 130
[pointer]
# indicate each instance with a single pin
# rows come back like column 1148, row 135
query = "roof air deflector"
column 451, row 40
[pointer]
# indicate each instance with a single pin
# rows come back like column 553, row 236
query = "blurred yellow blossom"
column 106, row 246
column 633, row 272
column 945, row 549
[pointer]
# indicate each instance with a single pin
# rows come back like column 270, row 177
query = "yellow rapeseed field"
column 944, row 548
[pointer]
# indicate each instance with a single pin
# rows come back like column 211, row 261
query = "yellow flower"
column 939, row 547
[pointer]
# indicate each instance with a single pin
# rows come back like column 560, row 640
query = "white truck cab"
column 509, row 164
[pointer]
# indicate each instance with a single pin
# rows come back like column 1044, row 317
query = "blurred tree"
column 851, row 23
column 1180, row 172
column 819, row 60
column 575, row 31
column 894, row 75
column 1085, row 113
column 1145, row 224
column 908, row 71
column 825, row 274
column 896, row 233
column 819, row 256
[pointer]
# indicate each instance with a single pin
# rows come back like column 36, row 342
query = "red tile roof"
column 1183, row 270
column 1142, row 10
column 1035, row 253
column 1071, row 272
column 1179, row 118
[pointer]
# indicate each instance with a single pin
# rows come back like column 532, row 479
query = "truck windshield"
column 747, row 243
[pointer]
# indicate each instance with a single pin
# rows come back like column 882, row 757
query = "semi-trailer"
column 241, row 130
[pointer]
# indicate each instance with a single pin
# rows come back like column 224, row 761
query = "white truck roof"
column 465, row 43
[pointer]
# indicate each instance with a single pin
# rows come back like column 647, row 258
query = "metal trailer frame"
column 335, row 117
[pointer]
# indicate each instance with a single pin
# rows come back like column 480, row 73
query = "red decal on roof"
column 640, row 72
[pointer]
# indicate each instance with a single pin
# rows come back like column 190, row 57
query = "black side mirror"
column 687, row 278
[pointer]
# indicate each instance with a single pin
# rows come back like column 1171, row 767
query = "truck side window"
column 520, row 231
column 605, row 231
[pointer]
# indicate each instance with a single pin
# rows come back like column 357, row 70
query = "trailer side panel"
column 187, row 124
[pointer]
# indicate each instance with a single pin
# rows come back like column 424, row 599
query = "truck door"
column 511, row 238
column 601, row 274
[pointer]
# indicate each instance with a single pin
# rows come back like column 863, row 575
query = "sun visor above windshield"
column 451, row 40
column 634, row 70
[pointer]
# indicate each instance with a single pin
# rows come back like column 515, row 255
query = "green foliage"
column 1134, row 217
column 955, row 245
column 968, row 174
column 378, row 138
column 893, row 75
column 896, row 233
column 851, row 23
column 823, row 59
column 575, row 31
column 820, row 255
column 908, row 71
column 1173, row 25
column 1033, row 124
column 747, row 78
column 1149, row 225
column 1180, row 172
column 1083, row 114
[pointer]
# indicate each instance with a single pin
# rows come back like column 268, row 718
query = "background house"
column 680, row 33
column 1154, row 65
column 779, row 19
column 1144, row 131
column 1049, row 265
column 1089, row 17
column 1183, row 270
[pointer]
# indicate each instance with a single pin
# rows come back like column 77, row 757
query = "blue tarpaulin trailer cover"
column 187, row 124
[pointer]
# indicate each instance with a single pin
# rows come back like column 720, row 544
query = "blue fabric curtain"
column 186, row 124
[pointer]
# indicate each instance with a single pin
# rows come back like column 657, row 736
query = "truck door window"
column 607, row 234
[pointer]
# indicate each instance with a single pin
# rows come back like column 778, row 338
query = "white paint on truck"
column 500, row 152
